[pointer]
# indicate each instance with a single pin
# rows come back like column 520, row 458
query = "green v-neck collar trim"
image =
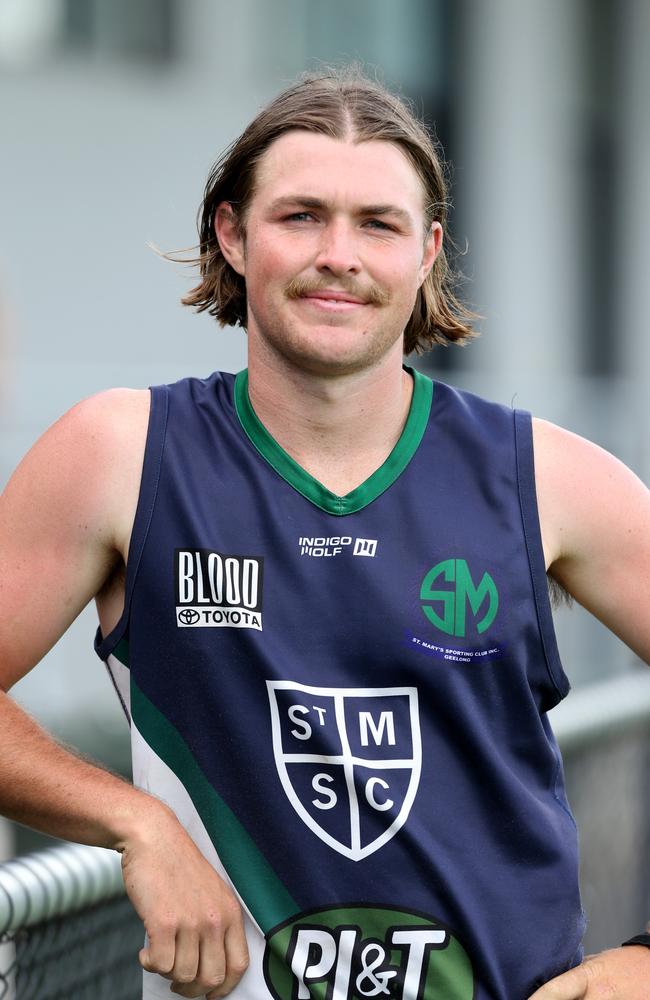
column 310, row 488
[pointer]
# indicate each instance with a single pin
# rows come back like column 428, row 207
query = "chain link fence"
column 68, row 932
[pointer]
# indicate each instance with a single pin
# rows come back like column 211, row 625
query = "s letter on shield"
column 349, row 760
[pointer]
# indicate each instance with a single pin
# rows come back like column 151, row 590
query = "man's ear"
column 230, row 236
column 432, row 247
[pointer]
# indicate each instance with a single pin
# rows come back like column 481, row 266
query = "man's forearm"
column 46, row 786
column 195, row 933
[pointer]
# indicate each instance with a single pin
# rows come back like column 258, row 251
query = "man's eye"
column 378, row 224
column 299, row 217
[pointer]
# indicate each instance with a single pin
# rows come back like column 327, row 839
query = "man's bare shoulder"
column 100, row 444
column 112, row 422
column 65, row 522
column 94, row 450
column 580, row 486
column 563, row 458
column 107, row 415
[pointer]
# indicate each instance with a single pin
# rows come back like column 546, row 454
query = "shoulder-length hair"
column 340, row 104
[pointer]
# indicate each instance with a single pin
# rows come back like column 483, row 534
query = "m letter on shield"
column 349, row 760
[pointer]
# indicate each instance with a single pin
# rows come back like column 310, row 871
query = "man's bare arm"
column 65, row 523
column 595, row 519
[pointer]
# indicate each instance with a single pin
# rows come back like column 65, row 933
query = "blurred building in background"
column 113, row 112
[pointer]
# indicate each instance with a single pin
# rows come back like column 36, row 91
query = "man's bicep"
column 615, row 589
column 596, row 516
column 60, row 526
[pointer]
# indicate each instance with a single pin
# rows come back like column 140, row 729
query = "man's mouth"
column 332, row 296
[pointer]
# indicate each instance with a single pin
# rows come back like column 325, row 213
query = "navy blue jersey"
column 344, row 698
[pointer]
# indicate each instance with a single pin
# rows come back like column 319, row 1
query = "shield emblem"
column 349, row 760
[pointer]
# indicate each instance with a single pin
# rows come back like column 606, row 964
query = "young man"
column 322, row 598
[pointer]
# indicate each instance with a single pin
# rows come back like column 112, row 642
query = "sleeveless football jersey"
column 344, row 698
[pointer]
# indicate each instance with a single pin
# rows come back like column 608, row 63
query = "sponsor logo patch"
column 356, row 952
column 349, row 760
column 216, row 590
column 326, row 548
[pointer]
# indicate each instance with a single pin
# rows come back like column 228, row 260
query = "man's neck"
column 339, row 429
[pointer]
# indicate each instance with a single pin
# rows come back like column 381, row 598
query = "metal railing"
column 68, row 931
column 604, row 733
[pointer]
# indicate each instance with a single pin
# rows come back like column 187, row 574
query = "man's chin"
column 328, row 350
column 330, row 363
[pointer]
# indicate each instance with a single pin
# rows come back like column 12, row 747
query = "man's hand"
column 193, row 921
column 619, row 974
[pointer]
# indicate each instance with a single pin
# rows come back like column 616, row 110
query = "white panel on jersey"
column 152, row 775
column 121, row 677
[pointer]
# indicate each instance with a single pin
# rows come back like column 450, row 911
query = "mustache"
column 372, row 294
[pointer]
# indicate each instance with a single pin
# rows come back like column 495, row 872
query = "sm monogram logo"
column 446, row 606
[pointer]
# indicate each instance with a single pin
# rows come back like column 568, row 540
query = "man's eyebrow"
column 308, row 201
column 304, row 200
column 399, row 213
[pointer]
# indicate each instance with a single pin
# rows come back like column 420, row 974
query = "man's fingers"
column 236, row 952
column 620, row 972
column 210, row 964
column 200, row 962
column 159, row 950
column 173, row 953
column 212, row 958
column 186, row 958
column 572, row 985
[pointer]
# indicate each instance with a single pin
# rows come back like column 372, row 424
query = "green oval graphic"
column 356, row 952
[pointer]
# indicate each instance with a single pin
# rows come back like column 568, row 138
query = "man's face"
column 334, row 251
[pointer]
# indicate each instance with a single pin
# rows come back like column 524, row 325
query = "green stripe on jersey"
column 264, row 894
column 121, row 652
column 305, row 483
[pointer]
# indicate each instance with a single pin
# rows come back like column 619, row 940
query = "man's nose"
column 338, row 249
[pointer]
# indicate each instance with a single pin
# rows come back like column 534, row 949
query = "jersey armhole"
column 533, row 538
column 153, row 453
